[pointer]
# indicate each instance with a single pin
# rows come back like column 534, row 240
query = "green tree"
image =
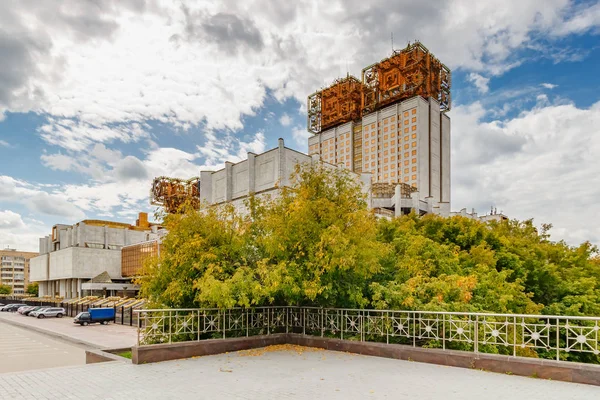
column 33, row 289
column 5, row 289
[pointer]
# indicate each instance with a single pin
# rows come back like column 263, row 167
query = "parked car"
column 57, row 312
column 93, row 315
column 24, row 308
column 30, row 309
column 12, row 307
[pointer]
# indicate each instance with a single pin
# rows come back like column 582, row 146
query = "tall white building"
column 406, row 144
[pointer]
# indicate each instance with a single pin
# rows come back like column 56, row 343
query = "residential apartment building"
column 14, row 269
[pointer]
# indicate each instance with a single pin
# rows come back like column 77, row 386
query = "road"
column 111, row 336
column 22, row 349
column 283, row 373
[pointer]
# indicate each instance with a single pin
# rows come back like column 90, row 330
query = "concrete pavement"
column 22, row 349
column 282, row 373
column 98, row 336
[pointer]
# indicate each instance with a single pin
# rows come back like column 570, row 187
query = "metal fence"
column 123, row 315
column 543, row 336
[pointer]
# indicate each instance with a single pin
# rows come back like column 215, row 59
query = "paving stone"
column 306, row 374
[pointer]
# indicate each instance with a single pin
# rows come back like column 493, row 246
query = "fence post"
column 476, row 347
column 130, row 316
column 224, row 318
column 169, row 326
column 558, row 339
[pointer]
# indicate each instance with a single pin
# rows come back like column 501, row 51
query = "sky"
column 99, row 97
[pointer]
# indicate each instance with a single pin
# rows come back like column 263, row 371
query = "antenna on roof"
column 392, row 34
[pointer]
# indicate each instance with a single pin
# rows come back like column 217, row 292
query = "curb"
column 52, row 334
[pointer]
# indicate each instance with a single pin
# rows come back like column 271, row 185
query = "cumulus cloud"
column 540, row 164
column 10, row 220
column 131, row 168
column 549, row 85
column 4, row 143
column 285, row 120
column 480, row 82
column 54, row 205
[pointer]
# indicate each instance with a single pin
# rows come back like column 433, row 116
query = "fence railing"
column 544, row 336
column 123, row 315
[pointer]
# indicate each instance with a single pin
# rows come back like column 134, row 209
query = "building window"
column 372, row 141
column 414, row 153
column 406, row 154
column 406, row 170
column 372, row 126
column 414, row 161
column 405, row 130
column 406, row 113
column 406, row 179
column 414, row 119
column 405, row 162
column 406, row 138
column 414, row 135
column 406, row 146
column 414, row 144
column 414, row 111
column 414, row 127
column 414, row 177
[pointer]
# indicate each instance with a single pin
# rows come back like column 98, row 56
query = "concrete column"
column 105, row 237
column 251, row 173
column 283, row 178
column 397, row 201
column 81, row 239
column 206, row 187
column 228, row 181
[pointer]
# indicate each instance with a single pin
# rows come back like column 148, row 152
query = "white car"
column 48, row 312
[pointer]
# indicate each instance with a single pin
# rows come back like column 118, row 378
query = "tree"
column 33, row 289
column 5, row 289
column 314, row 244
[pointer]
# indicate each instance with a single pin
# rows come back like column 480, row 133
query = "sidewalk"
column 98, row 336
column 282, row 374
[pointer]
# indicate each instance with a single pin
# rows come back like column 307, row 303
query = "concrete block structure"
column 74, row 254
column 14, row 269
column 262, row 175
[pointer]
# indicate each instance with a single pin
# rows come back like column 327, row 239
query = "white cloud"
column 542, row 164
column 285, row 120
column 480, row 82
column 549, row 85
column 301, row 135
column 100, row 77
column 4, row 143
column 10, row 220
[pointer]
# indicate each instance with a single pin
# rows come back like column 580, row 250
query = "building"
column 134, row 256
column 73, row 260
column 392, row 125
column 262, row 175
column 492, row 216
column 14, row 269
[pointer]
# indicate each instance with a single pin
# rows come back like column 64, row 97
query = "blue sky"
column 98, row 98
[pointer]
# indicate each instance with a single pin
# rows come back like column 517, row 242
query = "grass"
column 126, row 354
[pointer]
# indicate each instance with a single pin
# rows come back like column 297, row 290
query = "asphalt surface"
column 22, row 349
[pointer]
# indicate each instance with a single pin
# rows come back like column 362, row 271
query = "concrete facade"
column 262, row 175
column 74, row 254
column 407, row 142
column 14, row 269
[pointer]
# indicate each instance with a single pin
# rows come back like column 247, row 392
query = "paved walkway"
column 22, row 349
column 109, row 336
column 282, row 374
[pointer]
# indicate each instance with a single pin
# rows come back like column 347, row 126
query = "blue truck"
column 93, row 315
